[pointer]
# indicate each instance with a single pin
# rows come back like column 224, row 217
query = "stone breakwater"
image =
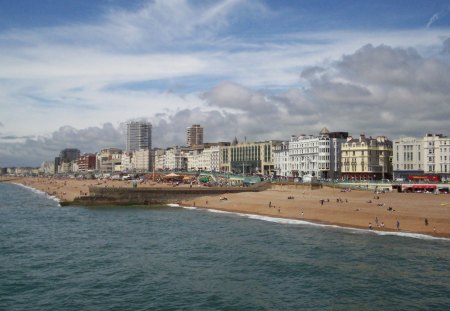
column 154, row 196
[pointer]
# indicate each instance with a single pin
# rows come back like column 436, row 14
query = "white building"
column 159, row 159
column 47, row 167
column 141, row 160
column 207, row 159
column 429, row 155
column 436, row 155
column 281, row 159
column 175, row 159
column 407, row 157
column 317, row 156
column 126, row 162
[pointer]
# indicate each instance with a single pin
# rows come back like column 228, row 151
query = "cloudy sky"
column 73, row 72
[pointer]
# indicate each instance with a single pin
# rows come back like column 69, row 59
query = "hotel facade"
column 316, row 156
column 429, row 155
column 366, row 158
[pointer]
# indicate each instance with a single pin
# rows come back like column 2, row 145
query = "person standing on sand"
column 398, row 225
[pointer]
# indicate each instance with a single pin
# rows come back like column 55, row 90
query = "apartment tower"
column 139, row 136
column 194, row 135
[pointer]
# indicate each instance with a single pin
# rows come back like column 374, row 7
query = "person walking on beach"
column 426, row 221
column 398, row 225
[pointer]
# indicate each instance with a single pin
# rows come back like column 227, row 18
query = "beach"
column 391, row 211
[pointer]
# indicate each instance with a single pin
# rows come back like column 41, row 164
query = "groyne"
column 155, row 196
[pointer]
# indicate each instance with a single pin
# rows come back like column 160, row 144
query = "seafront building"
column 141, row 160
column 46, row 168
column 194, row 135
column 429, row 155
column 139, row 136
column 281, row 160
column 63, row 163
column 173, row 158
column 126, row 162
column 108, row 159
column 407, row 159
column 366, row 158
column 316, row 156
column 205, row 157
column 86, row 162
column 437, row 155
column 159, row 163
column 249, row 157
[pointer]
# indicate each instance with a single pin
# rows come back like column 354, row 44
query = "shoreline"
column 314, row 223
column 417, row 213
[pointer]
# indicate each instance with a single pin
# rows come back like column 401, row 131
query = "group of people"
column 380, row 224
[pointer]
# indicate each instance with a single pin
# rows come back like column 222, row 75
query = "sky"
column 73, row 72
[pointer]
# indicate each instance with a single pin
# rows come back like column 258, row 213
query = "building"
column 366, row 158
column 249, row 157
column 436, row 155
column 408, row 157
column 108, row 158
column 429, row 155
column 127, row 162
column 47, row 168
column 194, row 135
column 316, row 156
column 87, row 162
column 206, row 157
column 139, row 136
column 159, row 159
column 281, row 161
column 176, row 158
column 67, row 155
column 141, row 160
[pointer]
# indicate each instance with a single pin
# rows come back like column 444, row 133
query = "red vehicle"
column 424, row 178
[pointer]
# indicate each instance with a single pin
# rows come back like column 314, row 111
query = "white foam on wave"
column 288, row 221
column 40, row 192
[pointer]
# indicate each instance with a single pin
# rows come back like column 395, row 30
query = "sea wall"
column 150, row 196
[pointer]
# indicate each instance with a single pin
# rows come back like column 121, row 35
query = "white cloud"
column 174, row 63
column 433, row 19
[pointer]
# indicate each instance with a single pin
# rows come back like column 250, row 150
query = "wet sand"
column 356, row 209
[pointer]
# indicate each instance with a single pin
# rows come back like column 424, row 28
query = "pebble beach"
column 391, row 211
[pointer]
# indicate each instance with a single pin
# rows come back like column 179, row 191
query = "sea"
column 174, row 258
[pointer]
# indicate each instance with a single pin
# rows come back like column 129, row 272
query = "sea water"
column 171, row 258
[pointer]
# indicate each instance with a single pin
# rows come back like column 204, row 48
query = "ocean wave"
column 288, row 221
column 40, row 192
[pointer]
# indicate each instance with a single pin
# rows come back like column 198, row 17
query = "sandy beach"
column 415, row 212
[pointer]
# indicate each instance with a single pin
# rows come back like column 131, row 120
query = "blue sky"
column 73, row 72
